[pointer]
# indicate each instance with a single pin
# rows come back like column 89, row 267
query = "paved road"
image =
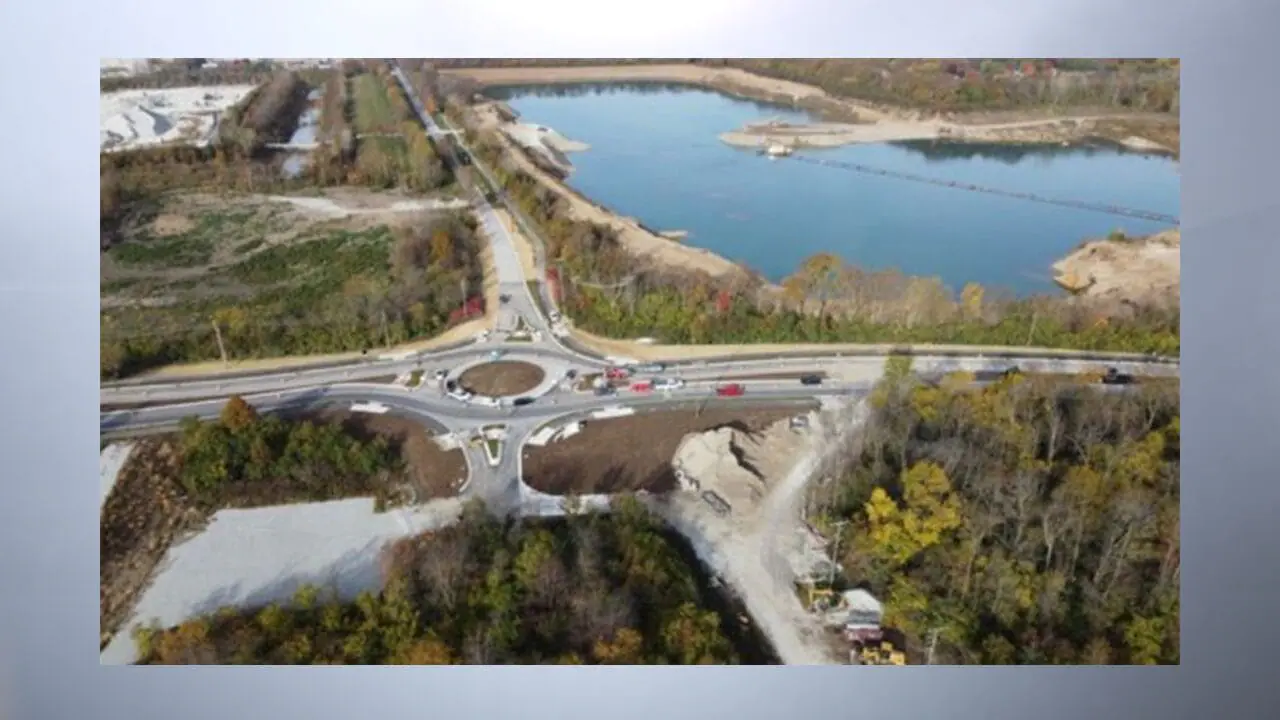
column 337, row 384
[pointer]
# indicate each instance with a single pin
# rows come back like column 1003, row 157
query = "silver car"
column 667, row 383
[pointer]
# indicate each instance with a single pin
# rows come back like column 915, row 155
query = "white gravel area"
column 254, row 557
column 110, row 462
column 132, row 119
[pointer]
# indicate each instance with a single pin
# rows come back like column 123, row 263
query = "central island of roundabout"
column 501, row 378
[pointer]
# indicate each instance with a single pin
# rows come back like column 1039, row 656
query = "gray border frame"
column 48, row 297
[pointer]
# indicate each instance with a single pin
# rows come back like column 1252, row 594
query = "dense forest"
column 1033, row 521
column 608, row 292
column 593, row 589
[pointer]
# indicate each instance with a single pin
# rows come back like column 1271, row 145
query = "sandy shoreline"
column 1139, row 270
column 823, row 135
column 638, row 240
column 862, row 122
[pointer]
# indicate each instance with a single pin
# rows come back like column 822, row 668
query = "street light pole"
column 835, row 552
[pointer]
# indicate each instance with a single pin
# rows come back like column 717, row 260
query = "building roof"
column 861, row 601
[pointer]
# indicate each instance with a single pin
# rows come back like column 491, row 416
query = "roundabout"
column 502, row 378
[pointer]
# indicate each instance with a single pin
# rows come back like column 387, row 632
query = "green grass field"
column 375, row 112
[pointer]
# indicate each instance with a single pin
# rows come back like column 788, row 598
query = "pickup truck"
column 731, row 390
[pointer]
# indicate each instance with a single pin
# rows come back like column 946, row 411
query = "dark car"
column 451, row 385
column 504, row 298
column 522, row 401
column 1115, row 377
column 811, row 379
column 990, row 376
column 571, row 373
column 464, row 158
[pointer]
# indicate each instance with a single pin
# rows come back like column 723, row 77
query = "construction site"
column 724, row 478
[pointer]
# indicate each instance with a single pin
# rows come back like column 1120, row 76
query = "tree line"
column 967, row 85
column 1033, row 521
column 595, row 589
column 396, row 152
column 267, row 114
column 244, row 459
column 609, row 292
column 188, row 72
column 938, row 85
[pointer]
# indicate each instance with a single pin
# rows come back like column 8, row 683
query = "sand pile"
column 738, row 466
column 1140, row 270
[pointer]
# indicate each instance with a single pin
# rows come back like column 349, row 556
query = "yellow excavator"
column 883, row 654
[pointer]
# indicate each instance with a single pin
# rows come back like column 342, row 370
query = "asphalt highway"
column 167, row 401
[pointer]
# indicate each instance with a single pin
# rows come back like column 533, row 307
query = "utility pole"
column 222, row 349
column 933, row 644
column 835, row 552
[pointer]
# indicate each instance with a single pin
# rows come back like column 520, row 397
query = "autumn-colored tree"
column 426, row 651
column 624, row 648
column 1033, row 520
column 899, row 531
column 237, row 414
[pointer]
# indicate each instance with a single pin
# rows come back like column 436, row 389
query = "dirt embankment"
column 1145, row 271
column 638, row 240
column 605, row 457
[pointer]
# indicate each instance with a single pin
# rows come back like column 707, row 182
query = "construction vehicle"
column 819, row 599
column 883, row 654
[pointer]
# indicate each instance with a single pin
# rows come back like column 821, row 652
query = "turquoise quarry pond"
column 655, row 155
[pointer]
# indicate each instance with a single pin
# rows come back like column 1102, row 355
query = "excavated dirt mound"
column 635, row 452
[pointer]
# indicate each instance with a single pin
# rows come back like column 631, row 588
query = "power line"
column 970, row 187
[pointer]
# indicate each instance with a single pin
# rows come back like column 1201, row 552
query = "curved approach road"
column 162, row 404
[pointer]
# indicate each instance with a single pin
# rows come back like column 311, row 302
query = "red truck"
column 642, row 386
column 617, row 373
column 732, row 390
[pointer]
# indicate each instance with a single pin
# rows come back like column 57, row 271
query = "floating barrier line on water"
column 1076, row 204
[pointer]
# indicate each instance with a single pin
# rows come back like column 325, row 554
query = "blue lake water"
column 655, row 155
